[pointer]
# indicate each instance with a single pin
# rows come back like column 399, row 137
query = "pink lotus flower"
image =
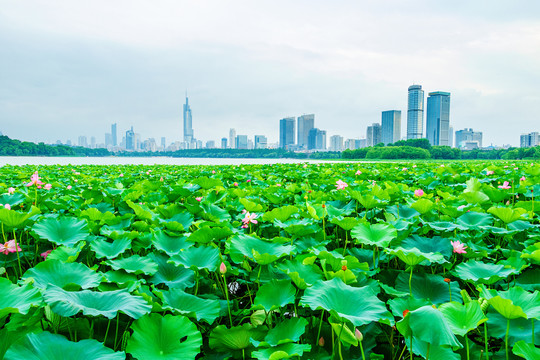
column 414, row 166
column 7, row 206
column 505, row 185
column 10, row 247
column 358, row 172
column 11, row 190
column 248, row 180
column 47, row 186
column 489, row 172
column 459, row 248
column 34, row 180
column 523, row 178
column 222, row 268
column 404, row 169
column 161, row 179
column 69, row 187
column 341, row 185
column 418, row 192
column 249, row 218
column 198, row 198
column 213, row 172
column 278, row 184
column 45, row 254
column 121, row 175
column 235, row 184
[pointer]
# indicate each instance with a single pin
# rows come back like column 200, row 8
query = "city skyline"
column 66, row 76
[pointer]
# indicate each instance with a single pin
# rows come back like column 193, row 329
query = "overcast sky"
column 70, row 68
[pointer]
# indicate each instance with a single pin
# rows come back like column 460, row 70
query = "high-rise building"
column 391, row 126
column 261, row 142
column 188, row 127
column 351, row 144
column 210, row 144
column 373, row 135
column 438, row 118
column 316, row 139
column 241, row 142
column 415, row 112
column 113, row 135
column 529, row 140
column 108, row 140
column 163, row 143
column 224, row 143
column 305, row 124
column 336, row 143
column 232, row 138
column 93, row 142
column 286, row 132
column 83, row 141
column 468, row 139
column 130, row 139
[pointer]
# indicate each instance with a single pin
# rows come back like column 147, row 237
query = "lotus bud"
column 358, row 335
column 343, row 265
column 465, row 296
column 321, row 341
column 222, row 268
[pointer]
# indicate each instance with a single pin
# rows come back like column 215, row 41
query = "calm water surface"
column 43, row 160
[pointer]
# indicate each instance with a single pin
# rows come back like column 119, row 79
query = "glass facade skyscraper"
column 305, row 124
column 415, row 112
column 188, row 128
column 438, row 118
column 373, row 135
column 391, row 126
column 286, row 132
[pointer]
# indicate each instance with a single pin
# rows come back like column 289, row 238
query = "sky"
column 70, row 68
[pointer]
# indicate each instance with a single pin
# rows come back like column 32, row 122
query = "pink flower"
column 358, row 172
column 213, row 172
column 69, row 187
column 222, row 268
column 34, row 180
column 404, row 169
column 235, row 184
column 249, row 218
column 11, row 191
column 341, row 185
column 459, row 248
column 522, row 178
column 161, row 178
column 305, row 166
column 414, row 166
column 7, row 206
column 248, row 180
column 198, row 198
column 358, row 335
column 10, row 247
column 489, row 172
column 47, row 187
column 121, row 175
column 505, row 185
column 76, row 180
column 278, row 184
column 45, row 254
column 418, row 192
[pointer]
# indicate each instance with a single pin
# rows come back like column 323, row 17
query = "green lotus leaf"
column 532, row 253
column 423, row 205
column 402, row 212
column 275, row 294
column 506, row 308
column 17, row 299
column 437, row 333
column 434, row 244
column 345, row 335
column 443, row 225
column 526, row 301
column 413, row 257
column 282, row 213
column 65, row 275
column 171, row 245
column 443, row 352
column 178, row 222
column 475, row 197
column 251, row 206
column 202, row 257
column 519, row 329
column 141, row 213
column 191, row 305
column 520, row 225
column 506, row 214
column 45, row 345
column 287, row 331
column 175, row 277
column 66, row 303
column 302, row 275
column 398, row 306
column 358, row 305
column 474, row 220
column 236, row 338
column 15, row 219
column 379, row 235
column 134, row 264
column 429, row 287
column 528, row 279
column 526, row 350
column 485, row 273
column 207, row 234
column 261, row 251
column 62, row 231
column 168, row 337
column 463, row 318
column 285, row 351
column 214, row 213
column 105, row 249
column 66, row 253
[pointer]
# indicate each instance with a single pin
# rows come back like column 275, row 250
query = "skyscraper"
column 232, row 138
column 261, row 142
column 529, row 140
column 224, row 143
column 415, row 112
column 305, row 124
column 241, row 142
column 336, row 143
column 113, row 135
column 468, row 139
column 391, row 126
column 188, row 128
column 438, row 118
column 130, row 140
column 316, row 139
column 373, row 135
column 286, row 132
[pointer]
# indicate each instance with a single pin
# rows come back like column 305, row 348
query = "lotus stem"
column 506, row 338
column 106, row 332
column 320, row 326
column 362, row 350
column 450, row 291
column 227, row 296
column 467, row 346
column 116, row 333
column 532, row 340
column 17, row 251
column 428, row 349
column 410, row 349
column 410, row 281
column 486, row 341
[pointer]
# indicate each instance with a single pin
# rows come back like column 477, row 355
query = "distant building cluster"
column 300, row 134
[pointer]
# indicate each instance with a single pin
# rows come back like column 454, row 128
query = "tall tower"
column 305, row 124
column 232, row 138
column 286, row 132
column 113, row 134
column 438, row 118
column 415, row 112
column 188, row 128
column 391, row 126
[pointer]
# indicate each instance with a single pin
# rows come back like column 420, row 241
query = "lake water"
column 44, row 160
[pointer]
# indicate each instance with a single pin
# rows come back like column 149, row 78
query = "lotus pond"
column 302, row 261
